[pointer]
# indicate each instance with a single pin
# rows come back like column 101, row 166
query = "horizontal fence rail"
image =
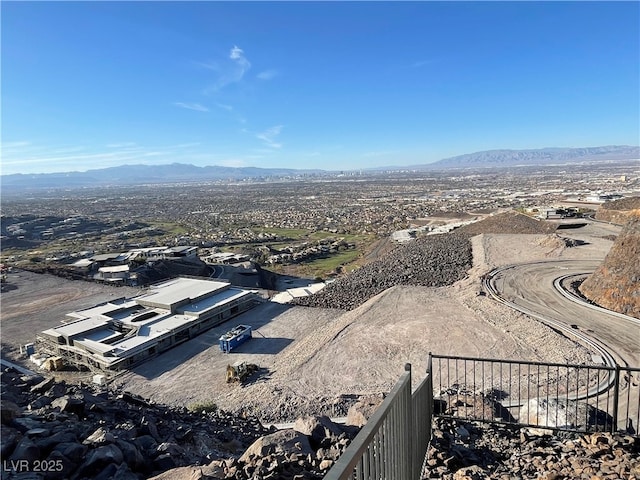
column 546, row 395
column 393, row 443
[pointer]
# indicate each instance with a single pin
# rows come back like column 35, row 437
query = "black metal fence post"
column 616, row 399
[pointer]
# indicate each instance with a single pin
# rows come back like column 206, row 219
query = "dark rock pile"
column 306, row 451
column 431, row 261
column 54, row 431
column 473, row 451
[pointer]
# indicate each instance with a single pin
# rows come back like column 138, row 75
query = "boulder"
column 146, row 443
column 40, row 402
column 320, row 430
column 171, row 448
column 190, row 473
column 474, row 406
column 282, row 441
column 69, row 404
column 9, row 438
column 9, row 411
column 43, row 386
column 72, row 450
column 60, row 466
column 471, row 473
column 554, row 413
column 113, row 472
column 49, row 442
column 31, row 380
column 164, row 462
column 99, row 459
column 132, row 455
column 100, row 437
column 361, row 411
column 26, row 450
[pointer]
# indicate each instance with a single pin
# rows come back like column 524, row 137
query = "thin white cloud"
column 267, row 74
column 209, row 66
column 228, row 108
column 192, row 106
column 231, row 72
column 84, row 157
column 121, row 145
column 46, row 159
column 19, row 144
column 269, row 136
column 185, row 145
column 237, row 54
column 422, row 63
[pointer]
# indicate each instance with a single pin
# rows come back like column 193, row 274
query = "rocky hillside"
column 475, row 451
column 616, row 283
column 618, row 211
column 85, row 432
column 54, row 431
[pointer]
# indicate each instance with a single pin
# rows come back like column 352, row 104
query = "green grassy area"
column 321, row 267
column 170, row 228
column 294, row 233
column 308, row 235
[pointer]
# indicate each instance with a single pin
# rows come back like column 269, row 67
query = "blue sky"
column 332, row 85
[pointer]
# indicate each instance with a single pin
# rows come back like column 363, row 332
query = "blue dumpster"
column 235, row 337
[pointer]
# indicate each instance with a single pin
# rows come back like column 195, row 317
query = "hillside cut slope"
column 618, row 211
column 616, row 283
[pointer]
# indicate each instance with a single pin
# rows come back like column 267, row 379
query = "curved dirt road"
column 530, row 286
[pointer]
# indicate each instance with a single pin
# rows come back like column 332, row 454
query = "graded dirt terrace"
column 316, row 360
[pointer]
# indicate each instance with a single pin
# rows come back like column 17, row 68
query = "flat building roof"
column 113, row 331
column 179, row 290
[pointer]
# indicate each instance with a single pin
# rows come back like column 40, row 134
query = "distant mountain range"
column 543, row 156
column 143, row 174
column 177, row 172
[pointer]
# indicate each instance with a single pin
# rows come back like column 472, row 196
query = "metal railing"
column 393, row 443
column 547, row 395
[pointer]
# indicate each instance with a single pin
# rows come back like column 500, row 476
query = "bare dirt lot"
column 32, row 302
column 313, row 359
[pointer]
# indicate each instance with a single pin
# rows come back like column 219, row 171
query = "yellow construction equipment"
column 239, row 371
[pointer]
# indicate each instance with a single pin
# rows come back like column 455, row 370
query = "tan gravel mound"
column 508, row 222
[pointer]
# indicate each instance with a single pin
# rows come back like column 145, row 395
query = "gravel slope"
column 431, row 261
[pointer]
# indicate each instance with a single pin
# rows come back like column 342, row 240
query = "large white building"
column 121, row 333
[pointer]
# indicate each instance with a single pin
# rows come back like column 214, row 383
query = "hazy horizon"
column 332, row 86
column 381, row 167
